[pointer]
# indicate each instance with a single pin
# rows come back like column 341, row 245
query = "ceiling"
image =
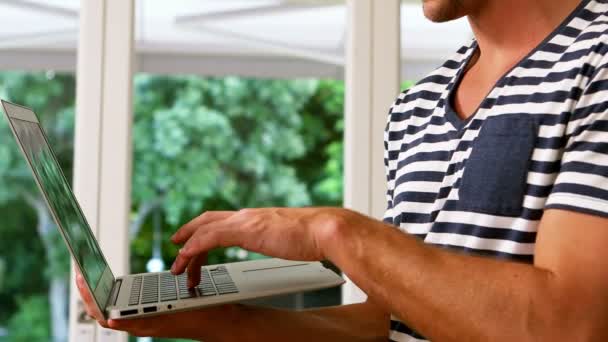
column 266, row 38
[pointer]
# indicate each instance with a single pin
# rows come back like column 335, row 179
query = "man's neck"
column 507, row 30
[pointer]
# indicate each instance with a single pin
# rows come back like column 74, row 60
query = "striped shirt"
column 539, row 140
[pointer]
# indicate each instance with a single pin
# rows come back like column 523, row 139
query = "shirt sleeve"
column 390, row 184
column 388, row 214
column 582, row 182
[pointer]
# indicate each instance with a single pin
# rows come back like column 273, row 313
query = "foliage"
column 33, row 251
column 24, row 254
column 219, row 140
column 405, row 85
column 31, row 321
column 229, row 143
column 324, row 117
column 52, row 98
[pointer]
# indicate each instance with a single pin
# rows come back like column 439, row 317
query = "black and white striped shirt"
column 539, row 140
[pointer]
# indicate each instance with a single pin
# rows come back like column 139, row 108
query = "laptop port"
column 150, row 309
column 128, row 312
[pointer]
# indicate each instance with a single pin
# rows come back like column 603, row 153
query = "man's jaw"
column 440, row 11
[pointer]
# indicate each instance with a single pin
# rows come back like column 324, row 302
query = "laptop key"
column 168, row 289
column 207, row 292
column 227, row 291
column 223, row 281
column 150, row 289
column 205, row 286
column 135, row 291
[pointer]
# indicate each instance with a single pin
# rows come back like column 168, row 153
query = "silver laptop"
column 148, row 294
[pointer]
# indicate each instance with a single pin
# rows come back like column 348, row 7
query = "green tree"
column 51, row 96
column 220, row 143
column 321, row 167
column 31, row 322
column 205, row 144
column 23, row 255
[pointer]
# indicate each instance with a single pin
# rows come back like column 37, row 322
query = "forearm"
column 357, row 322
column 444, row 295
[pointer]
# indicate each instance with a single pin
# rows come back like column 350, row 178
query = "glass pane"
column 237, row 104
column 34, row 262
column 37, row 63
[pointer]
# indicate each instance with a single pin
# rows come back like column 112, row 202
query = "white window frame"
column 373, row 74
column 102, row 151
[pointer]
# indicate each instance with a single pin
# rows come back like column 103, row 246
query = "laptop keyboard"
column 164, row 287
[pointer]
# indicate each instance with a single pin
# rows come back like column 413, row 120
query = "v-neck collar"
column 450, row 113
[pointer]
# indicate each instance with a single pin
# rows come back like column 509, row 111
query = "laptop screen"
column 63, row 205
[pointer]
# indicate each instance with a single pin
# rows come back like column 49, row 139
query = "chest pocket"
column 494, row 178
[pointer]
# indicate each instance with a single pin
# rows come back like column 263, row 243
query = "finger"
column 183, row 259
column 139, row 326
column 128, row 324
column 186, row 231
column 179, row 264
column 206, row 240
column 194, row 269
column 89, row 305
column 84, row 294
column 134, row 327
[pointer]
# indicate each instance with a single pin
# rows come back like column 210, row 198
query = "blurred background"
column 236, row 104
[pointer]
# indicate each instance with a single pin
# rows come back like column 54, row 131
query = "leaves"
column 226, row 139
column 32, row 320
column 21, row 246
column 229, row 143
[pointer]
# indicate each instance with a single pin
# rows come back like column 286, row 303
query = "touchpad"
column 271, row 269
column 280, row 277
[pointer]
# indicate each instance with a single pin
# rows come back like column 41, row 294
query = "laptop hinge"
column 114, row 294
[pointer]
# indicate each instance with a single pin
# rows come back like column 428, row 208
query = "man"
column 497, row 168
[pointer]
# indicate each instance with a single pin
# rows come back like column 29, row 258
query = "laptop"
column 148, row 294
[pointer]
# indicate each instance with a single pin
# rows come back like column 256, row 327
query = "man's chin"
column 441, row 11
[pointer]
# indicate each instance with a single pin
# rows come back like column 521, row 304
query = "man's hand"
column 294, row 234
column 199, row 324
column 359, row 322
column 89, row 303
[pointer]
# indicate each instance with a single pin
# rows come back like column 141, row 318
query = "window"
column 37, row 61
column 225, row 144
column 236, row 104
column 34, row 263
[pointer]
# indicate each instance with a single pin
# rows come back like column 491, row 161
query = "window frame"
column 102, row 162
